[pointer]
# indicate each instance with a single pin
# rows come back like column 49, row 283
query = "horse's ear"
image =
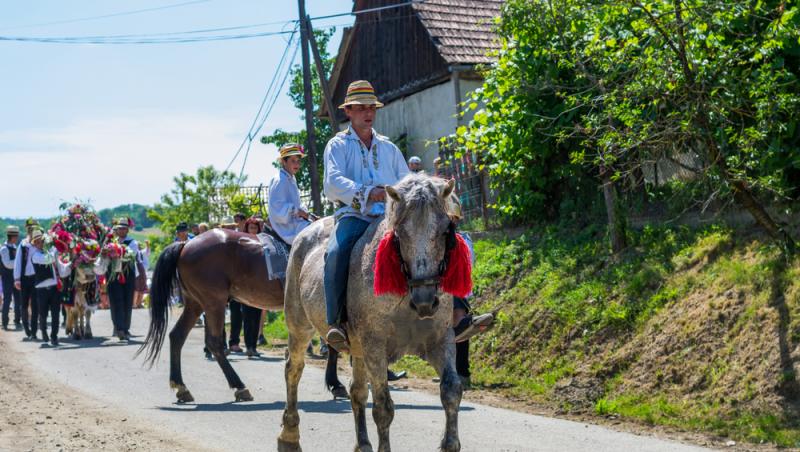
column 448, row 188
column 393, row 193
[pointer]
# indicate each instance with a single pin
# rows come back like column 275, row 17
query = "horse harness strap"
column 450, row 243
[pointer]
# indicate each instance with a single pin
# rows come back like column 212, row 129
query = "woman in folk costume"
column 286, row 213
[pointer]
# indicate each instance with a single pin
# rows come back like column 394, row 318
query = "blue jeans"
column 346, row 232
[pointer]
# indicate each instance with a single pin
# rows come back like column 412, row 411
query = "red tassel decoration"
column 121, row 278
column 457, row 278
column 389, row 277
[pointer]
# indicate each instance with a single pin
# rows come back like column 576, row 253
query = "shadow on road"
column 328, row 406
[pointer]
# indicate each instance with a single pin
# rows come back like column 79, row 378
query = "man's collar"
column 351, row 134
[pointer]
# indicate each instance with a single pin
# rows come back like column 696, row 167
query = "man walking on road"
column 8, row 252
column 24, row 281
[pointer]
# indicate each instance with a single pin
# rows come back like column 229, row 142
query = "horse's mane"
column 419, row 193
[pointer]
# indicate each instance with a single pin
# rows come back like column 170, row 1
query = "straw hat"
column 122, row 222
column 290, row 149
column 12, row 230
column 36, row 235
column 361, row 92
column 30, row 222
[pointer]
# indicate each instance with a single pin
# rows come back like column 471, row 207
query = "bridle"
column 450, row 243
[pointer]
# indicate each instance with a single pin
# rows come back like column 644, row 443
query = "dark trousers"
column 251, row 318
column 49, row 300
column 462, row 358
column 247, row 317
column 10, row 292
column 28, row 295
column 120, row 299
column 236, row 322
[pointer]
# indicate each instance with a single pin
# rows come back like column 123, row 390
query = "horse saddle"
column 276, row 255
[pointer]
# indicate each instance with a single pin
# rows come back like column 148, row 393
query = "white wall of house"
column 424, row 117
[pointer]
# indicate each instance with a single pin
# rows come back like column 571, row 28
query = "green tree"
column 321, row 126
column 188, row 201
column 618, row 84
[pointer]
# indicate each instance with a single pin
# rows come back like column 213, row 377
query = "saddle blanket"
column 276, row 255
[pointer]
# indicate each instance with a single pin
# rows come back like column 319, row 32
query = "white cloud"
column 120, row 159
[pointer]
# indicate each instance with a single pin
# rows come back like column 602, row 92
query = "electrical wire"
column 267, row 96
column 105, row 16
column 179, row 37
column 167, row 40
column 269, row 110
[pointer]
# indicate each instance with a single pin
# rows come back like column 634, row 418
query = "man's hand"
column 18, row 285
column 302, row 214
column 377, row 194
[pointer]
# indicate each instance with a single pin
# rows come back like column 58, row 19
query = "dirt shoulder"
column 41, row 415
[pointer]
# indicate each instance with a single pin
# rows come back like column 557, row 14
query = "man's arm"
column 18, row 264
column 5, row 256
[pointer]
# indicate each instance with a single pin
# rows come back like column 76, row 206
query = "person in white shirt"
column 47, row 271
column 23, row 281
column 287, row 216
column 8, row 252
column 359, row 163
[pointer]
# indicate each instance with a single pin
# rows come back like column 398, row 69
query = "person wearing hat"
column 8, row 252
column 359, row 163
column 47, row 270
column 287, row 216
column 182, row 232
column 415, row 164
column 120, row 294
column 24, row 280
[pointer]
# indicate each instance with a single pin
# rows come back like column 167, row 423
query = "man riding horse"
column 359, row 164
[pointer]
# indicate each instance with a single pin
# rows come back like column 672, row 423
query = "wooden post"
column 323, row 82
column 308, row 100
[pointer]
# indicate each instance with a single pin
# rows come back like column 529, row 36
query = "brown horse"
column 211, row 269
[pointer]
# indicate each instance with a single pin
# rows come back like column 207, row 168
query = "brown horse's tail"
column 164, row 278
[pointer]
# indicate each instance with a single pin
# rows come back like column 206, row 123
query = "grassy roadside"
column 693, row 328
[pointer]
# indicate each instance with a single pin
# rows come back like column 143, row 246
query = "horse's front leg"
column 359, row 392
column 88, row 314
column 443, row 360
column 383, row 407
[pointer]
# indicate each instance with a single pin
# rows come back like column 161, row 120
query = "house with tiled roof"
column 421, row 57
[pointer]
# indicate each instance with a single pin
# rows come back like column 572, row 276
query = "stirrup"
column 337, row 338
column 477, row 324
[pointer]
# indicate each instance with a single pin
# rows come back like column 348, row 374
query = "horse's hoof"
column 87, row 335
column 243, row 395
column 363, row 448
column 340, row 392
column 76, row 337
column 184, row 396
column 285, row 446
column 453, row 445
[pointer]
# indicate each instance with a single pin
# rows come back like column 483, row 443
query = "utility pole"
column 322, row 79
column 308, row 99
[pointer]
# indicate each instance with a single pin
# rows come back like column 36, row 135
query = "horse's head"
column 417, row 213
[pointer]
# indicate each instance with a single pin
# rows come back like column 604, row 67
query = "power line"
column 105, row 16
column 179, row 37
column 116, row 41
column 269, row 110
column 369, row 10
column 267, row 95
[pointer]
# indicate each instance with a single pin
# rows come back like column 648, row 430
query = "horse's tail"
column 164, row 278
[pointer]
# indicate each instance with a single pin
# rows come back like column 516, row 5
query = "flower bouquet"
column 121, row 259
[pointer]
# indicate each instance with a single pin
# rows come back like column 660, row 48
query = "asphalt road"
column 103, row 368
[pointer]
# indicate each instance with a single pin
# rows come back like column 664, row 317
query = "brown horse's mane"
column 419, row 193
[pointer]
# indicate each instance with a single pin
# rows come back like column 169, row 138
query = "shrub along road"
column 102, row 373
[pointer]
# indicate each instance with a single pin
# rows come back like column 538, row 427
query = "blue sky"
column 113, row 124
